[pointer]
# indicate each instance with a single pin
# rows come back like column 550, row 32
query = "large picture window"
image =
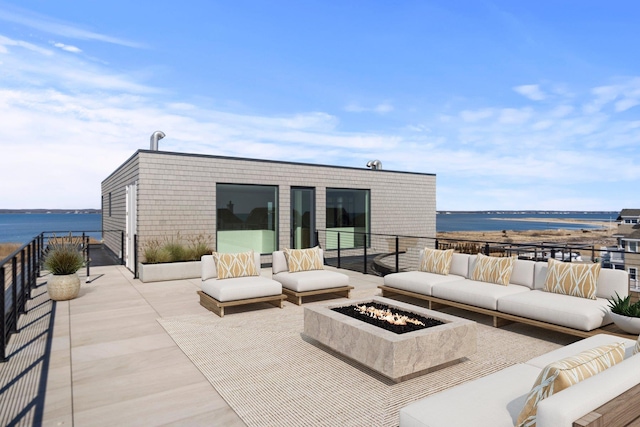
column 348, row 213
column 247, row 218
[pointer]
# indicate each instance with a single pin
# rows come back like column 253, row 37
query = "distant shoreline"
column 50, row 211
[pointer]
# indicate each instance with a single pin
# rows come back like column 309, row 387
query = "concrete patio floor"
column 103, row 359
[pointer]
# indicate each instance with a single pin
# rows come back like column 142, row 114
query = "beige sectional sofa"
column 497, row 399
column 522, row 300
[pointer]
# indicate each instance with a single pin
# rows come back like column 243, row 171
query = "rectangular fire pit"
column 396, row 356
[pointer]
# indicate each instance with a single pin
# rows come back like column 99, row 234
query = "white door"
column 131, row 215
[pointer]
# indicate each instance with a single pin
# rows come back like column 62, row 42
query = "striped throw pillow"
column 303, row 259
column 235, row 265
column 436, row 261
column 578, row 280
column 493, row 269
column 562, row 374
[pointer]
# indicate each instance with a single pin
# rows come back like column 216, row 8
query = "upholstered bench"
column 234, row 279
column 301, row 273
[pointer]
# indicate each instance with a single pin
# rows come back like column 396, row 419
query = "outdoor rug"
column 272, row 375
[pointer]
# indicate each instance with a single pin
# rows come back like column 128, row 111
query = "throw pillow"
column 562, row 374
column 436, row 261
column 235, row 265
column 636, row 349
column 493, row 269
column 578, row 280
column 303, row 259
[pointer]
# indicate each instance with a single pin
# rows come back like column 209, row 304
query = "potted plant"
column 63, row 259
column 625, row 314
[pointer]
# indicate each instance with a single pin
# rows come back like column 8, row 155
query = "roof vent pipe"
column 374, row 164
column 155, row 137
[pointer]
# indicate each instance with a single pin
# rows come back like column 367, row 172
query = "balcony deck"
column 104, row 359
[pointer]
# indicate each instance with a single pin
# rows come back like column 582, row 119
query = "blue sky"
column 512, row 104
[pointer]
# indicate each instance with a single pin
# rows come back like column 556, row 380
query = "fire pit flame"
column 386, row 315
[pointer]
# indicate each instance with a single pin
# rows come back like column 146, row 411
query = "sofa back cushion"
column 460, row 265
column 562, row 374
column 523, row 273
column 241, row 264
column 579, row 280
column 435, row 261
column 492, row 269
column 611, row 282
column 208, row 265
column 304, row 259
column 278, row 262
column 540, row 275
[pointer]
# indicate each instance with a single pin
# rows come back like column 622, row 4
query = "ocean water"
column 497, row 221
column 21, row 228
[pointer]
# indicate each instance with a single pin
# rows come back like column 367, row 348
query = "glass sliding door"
column 303, row 217
column 247, row 218
column 348, row 213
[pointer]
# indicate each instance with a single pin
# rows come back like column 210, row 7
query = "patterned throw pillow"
column 493, row 269
column 564, row 373
column 303, row 259
column 578, row 280
column 436, row 261
column 235, row 265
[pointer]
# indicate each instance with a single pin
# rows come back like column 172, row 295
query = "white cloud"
column 382, row 108
column 532, row 92
column 474, row 116
column 48, row 25
column 68, row 48
column 514, row 116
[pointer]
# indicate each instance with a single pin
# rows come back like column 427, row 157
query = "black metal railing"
column 18, row 275
column 20, row 271
column 386, row 253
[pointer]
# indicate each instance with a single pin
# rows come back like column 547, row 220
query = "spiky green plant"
column 623, row 306
column 64, row 255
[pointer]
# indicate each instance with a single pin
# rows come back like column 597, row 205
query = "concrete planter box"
column 169, row 271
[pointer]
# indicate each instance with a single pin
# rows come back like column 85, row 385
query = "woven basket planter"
column 63, row 287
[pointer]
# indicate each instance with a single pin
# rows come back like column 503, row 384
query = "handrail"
column 378, row 246
column 20, row 278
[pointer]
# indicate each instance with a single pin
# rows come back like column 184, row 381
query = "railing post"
column 365, row 254
column 30, row 280
column 397, row 254
column 339, row 263
column 3, row 318
column 437, row 244
column 88, row 259
column 25, row 289
column 486, row 249
column 14, row 293
column 315, row 234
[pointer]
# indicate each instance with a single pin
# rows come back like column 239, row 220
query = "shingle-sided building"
column 242, row 204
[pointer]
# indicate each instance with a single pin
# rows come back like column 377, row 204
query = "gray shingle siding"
column 177, row 193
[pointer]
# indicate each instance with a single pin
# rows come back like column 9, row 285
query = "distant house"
column 628, row 235
column 242, row 204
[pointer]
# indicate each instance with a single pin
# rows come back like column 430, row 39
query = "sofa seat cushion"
column 580, row 346
column 312, row 280
column 417, row 281
column 564, row 310
column 241, row 288
column 478, row 294
column 492, row 401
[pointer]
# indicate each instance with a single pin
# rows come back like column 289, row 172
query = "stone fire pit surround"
column 396, row 356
